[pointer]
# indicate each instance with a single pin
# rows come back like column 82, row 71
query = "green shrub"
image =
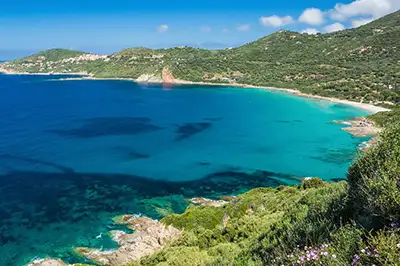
column 374, row 182
column 312, row 183
column 195, row 217
column 380, row 248
column 345, row 243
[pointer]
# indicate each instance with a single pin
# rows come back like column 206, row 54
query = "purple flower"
column 395, row 225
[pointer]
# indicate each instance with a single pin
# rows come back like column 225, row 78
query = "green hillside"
column 361, row 64
column 49, row 55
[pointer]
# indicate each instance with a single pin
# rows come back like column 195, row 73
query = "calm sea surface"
column 73, row 154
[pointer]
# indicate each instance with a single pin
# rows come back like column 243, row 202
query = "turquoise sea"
column 75, row 153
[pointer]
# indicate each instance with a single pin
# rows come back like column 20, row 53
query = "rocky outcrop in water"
column 149, row 236
column 359, row 127
column 47, row 262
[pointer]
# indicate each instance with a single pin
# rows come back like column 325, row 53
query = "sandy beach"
column 365, row 106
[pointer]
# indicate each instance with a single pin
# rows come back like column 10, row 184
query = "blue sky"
column 28, row 26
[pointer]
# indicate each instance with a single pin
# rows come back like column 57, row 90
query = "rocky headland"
column 359, row 127
column 148, row 237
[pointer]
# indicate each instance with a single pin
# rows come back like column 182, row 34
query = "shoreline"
column 364, row 106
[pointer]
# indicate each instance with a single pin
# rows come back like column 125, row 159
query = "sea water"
column 75, row 153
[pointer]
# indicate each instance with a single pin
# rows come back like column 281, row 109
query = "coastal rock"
column 208, row 202
column 360, row 127
column 368, row 144
column 47, row 262
column 6, row 70
column 149, row 79
column 149, row 236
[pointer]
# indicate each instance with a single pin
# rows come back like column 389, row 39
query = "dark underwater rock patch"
column 213, row 119
column 188, row 130
column 335, row 156
column 109, row 126
column 58, row 200
column 203, row 163
column 4, row 158
column 128, row 153
column 137, row 155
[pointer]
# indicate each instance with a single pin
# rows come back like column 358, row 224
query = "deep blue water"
column 73, row 154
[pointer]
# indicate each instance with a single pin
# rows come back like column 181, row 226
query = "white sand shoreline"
column 364, row 106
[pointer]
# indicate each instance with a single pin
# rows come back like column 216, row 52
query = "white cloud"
column 162, row 28
column 205, row 29
column 276, row 21
column 312, row 16
column 334, row 27
column 225, row 30
column 310, row 31
column 359, row 22
column 374, row 8
column 244, row 27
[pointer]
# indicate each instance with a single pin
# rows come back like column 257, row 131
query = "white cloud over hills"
column 339, row 17
column 359, row 22
column 363, row 8
column 334, row 27
column 310, row 31
column 312, row 16
column 276, row 21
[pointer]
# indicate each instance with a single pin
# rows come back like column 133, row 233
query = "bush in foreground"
column 374, row 182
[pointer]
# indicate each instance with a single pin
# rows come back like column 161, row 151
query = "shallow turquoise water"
column 73, row 154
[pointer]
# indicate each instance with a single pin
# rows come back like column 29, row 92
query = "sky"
column 105, row 26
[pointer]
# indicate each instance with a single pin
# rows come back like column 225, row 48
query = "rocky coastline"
column 361, row 127
column 148, row 236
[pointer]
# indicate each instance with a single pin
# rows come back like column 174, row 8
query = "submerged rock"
column 149, row 236
column 187, row 130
